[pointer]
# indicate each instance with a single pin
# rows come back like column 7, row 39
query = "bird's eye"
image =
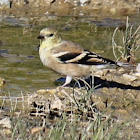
column 50, row 35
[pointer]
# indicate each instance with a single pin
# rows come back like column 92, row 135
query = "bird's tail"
column 112, row 66
column 121, row 64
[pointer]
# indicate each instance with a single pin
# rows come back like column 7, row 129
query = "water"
column 20, row 64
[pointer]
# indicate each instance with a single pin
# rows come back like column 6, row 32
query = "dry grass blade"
column 127, row 51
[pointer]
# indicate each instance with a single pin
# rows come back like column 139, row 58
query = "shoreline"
column 68, row 7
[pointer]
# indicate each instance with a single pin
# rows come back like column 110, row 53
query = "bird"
column 68, row 58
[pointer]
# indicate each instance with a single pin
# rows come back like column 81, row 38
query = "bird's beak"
column 40, row 37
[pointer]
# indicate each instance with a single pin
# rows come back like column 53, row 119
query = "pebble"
column 138, row 68
column 56, row 104
column 130, row 78
column 4, row 2
column 36, row 129
column 2, row 82
column 84, row 2
column 6, row 122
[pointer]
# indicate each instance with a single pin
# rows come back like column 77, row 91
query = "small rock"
column 46, row 91
column 2, row 82
column 7, row 131
column 121, row 70
column 101, row 72
column 84, row 2
column 113, row 11
column 137, row 74
column 129, row 78
column 4, row 2
column 41, row 91
column 138, row 68
column 56, row 104
column 6, row 122
column 36, row 129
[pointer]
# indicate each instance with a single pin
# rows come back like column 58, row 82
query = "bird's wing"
column 66, row 51
column 85, row 58
column 69, row 52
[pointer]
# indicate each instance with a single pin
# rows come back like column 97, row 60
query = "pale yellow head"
column 49, row 37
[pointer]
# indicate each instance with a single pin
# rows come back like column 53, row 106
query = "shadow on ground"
column 98, row 83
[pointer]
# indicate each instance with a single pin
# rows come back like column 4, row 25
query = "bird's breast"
column 44, row 56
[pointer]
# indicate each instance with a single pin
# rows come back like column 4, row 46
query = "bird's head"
column 49, row 36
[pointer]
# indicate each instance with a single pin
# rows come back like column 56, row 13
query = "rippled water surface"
column 20, row 65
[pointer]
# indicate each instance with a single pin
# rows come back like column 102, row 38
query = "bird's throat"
column 49, row 43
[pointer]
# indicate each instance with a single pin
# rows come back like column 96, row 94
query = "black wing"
column 85, row 58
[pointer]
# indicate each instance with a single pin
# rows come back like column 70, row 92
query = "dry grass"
column 81, row 121
column 128, row 51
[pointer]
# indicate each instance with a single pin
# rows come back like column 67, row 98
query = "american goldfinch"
column 68, row 58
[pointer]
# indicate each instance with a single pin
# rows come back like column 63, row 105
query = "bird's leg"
column 68, row 80
column 92, row 80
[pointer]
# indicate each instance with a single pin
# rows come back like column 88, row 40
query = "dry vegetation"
column 105, row 112
column 70, row 7
column 64, row 114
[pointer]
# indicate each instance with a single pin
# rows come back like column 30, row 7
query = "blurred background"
column 89, row 23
